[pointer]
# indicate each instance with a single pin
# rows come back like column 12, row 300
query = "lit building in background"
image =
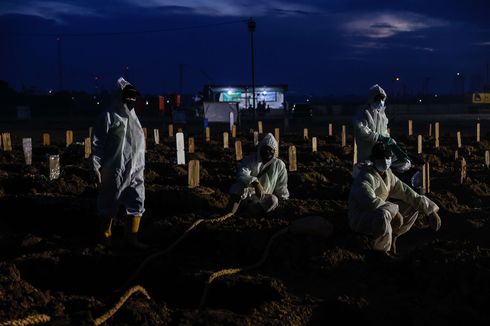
column 274, row 95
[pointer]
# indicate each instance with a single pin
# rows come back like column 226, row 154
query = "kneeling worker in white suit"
column 371, row 209
column 262, row 179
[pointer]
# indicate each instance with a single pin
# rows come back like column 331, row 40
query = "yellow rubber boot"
column 132, row 229
column 106, row 231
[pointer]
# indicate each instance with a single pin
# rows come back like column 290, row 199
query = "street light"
column 251, row 28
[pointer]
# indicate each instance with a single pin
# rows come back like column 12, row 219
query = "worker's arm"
column 281, row 189
column 244, row 174
column 405, row 193
column 99, row 137
column 363, row 191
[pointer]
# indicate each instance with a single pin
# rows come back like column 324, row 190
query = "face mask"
column 130, row 104
column 266, row 153
column 378, row 105
column 382, row 165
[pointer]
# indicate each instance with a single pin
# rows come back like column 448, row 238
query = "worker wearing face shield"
column 262, row 179
column 118, row 148
column 371, row 126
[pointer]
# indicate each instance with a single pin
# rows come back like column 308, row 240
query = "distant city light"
column 72, row 97
column 168, row 101
column 146, row 102
column 397, row 78
column 457, row 74
column 50, row 91
column 98, row 102
column 307, row 100
column 229, row 92
column 420, row 101
column 95, row 97
column 435, row 95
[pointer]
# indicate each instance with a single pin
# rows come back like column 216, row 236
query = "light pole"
column 251, row 29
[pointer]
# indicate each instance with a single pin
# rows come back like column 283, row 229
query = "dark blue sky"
column 316, row 47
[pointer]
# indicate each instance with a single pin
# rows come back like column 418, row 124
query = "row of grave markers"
column 27, row 147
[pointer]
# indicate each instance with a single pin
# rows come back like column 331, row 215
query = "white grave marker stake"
column 156, row 136
column 314, row 145
column 180, row 148
column 232, row 121
column 27, row 147
column 54, row 167
column 193, row 173
column 256, row 138
column 238, row 150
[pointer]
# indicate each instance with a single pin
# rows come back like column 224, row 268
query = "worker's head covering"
column 380, row 151
column 268, row 140
column 374, row 91
column 123, row 89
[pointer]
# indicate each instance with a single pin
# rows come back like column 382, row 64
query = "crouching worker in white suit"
column 262, row 179
column 118, row 147
column 371, row 207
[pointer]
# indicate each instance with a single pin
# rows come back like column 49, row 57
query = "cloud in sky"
column 55, row 10
column 229, row 8
column 388, row 24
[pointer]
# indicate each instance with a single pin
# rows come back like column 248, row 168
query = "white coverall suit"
column 369, row 123
column 371, row 213
column 118, row 148
column 274, row 180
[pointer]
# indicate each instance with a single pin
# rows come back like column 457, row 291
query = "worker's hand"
column 397, row 221
column 386, row 140
column 97, row 177
column 434, row 221
column 259, row 190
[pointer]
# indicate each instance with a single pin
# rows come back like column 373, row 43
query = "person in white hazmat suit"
column 118, row 147
column 262, row 179
column 371, row 126
column 383, row 206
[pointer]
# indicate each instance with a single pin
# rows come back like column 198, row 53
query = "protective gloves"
column 259, row 190
column 386, row 140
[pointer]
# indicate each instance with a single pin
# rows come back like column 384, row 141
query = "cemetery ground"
column 50, row 264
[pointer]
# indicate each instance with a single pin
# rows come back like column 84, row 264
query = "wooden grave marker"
column 6, row 142
column 170, row 130
column 46, row 139
column 305, row 133
column 354, row 160
column 419, row 144
column 344, row 136
column 208, row 135
column 277, row 134
column 314, row 145
column 477, row 132
column 458, row 136
column 193, row 173
column 69, row 137
column 238, row 150
column 436, row 134
column 293, row 164
column 233, row 131
column 260, row 127
column 191, row 145
column 487, row 158
column 425, row 178
column 88, row 147
column 410, row 127
column 430, row 129
column 225, row 140
column 330, row 130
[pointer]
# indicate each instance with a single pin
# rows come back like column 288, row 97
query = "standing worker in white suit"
column 371, row 126
column 118, row 147
column 383, row 206
column 262, row 179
